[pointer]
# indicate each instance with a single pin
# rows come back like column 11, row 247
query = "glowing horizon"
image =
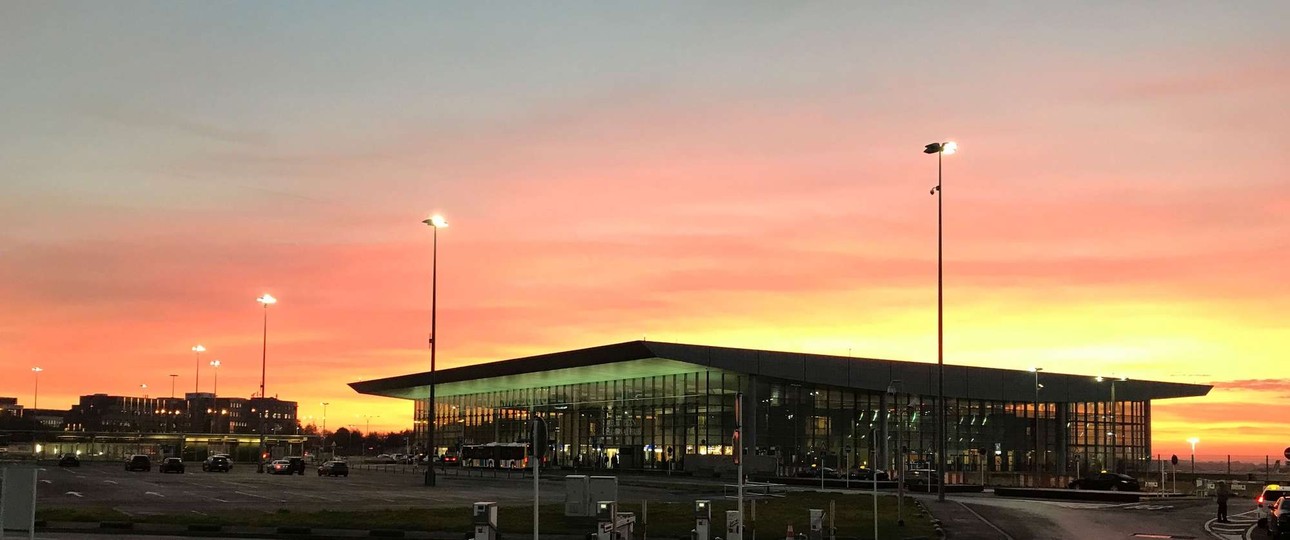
column 746, row 177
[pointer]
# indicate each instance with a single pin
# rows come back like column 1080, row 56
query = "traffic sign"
column 1287, row 452
column 1174, row 459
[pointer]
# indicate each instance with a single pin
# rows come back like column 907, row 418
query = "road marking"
column 74, row 494
column 309, row 495
column 1236, row 529
column 259, row 496
column 153, row 493
column 109, row 481
column 985, row 521
column 46, row 481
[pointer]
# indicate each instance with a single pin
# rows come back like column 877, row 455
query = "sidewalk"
column 959, row 521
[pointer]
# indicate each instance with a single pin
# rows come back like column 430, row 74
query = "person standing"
column 1222, row 496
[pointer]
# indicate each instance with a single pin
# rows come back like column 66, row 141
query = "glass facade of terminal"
column 658, row 421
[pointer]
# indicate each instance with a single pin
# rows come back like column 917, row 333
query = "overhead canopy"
column 635, row 359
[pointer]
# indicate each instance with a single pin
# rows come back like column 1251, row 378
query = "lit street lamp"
column 35, row 394
column 940, row 149
column 215, row 364
column 198, row 350
column 145, row 390
column 266, row 300
column 324, row 418
column 435, row 222
column 1193, row 441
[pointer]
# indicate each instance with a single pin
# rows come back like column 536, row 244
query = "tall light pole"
column 1193, row 441
column 435, row 222
column 144, row 387
column 940, row 149
column 1038, row 446
column 324, row 429
column 215, row 364
column 35, row 394
column 266, row 300
column 172, row 385
column 198, row 349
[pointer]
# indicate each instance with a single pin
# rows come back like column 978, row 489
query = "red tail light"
column 1259, row 500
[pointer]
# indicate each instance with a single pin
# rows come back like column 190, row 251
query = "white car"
column 1265, row 501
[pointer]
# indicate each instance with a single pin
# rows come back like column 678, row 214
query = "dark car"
column 868, row 474
column 138, row 462
column 1106, row 481
column 1279, row 519
column 296, row 465
column 217, row 463
column 69, row 460
column 815, row 472
column 334, row 468
column 171, row 464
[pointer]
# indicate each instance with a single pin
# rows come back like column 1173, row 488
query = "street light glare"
column 199, row 348
column 437, row 221
column 1193, row 440
column 215, row 363
column 948, row 148
column 37, row 369
column 267, row 299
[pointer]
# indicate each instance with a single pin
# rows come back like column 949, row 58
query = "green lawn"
column 671, row 519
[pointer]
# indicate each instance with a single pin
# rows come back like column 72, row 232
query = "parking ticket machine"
column 702, row 519
column 606, row 519
column 484, row 519
column 734, row 525
column 817, row 524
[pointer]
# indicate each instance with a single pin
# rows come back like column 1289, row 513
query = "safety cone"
column 789, row 535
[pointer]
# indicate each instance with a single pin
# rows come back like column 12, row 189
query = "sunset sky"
column 725, row 173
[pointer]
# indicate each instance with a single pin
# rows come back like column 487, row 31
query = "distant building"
column 9, row 407
column 196, row 412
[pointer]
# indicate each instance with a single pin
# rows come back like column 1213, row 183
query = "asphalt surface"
column 145, row 493
column 966, row 516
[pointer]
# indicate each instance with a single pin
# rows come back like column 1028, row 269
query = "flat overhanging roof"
column 636, row 359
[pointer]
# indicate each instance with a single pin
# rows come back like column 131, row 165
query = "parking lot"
column 101, row 485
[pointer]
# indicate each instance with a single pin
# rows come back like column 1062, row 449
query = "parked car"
column 1279, row 519
column 869, row 474
column 1267, row 498
column 382, row 458
column 921, row 479
column 1106, row 481
column 171, row 465
column 217, row 463
column 815, row 472
column 280, row 466
column 138, row 462
column 334, row 468
column 69, row 460
column 297, row 464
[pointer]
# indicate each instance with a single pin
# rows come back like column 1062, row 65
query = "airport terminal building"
column 651, row 405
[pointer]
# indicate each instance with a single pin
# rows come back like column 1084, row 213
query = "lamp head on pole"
column 215, row 363
column 437, row 221
column 947, row 148
column 37, row 369
column 199, row 348
column 267, row 299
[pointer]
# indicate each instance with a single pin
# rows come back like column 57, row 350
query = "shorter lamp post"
column 215, row 364
column 900, row 466
column 35, row 394
column 1193, row 441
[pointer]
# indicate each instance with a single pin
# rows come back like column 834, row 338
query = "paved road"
column 144, row 493
column 986, row 517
